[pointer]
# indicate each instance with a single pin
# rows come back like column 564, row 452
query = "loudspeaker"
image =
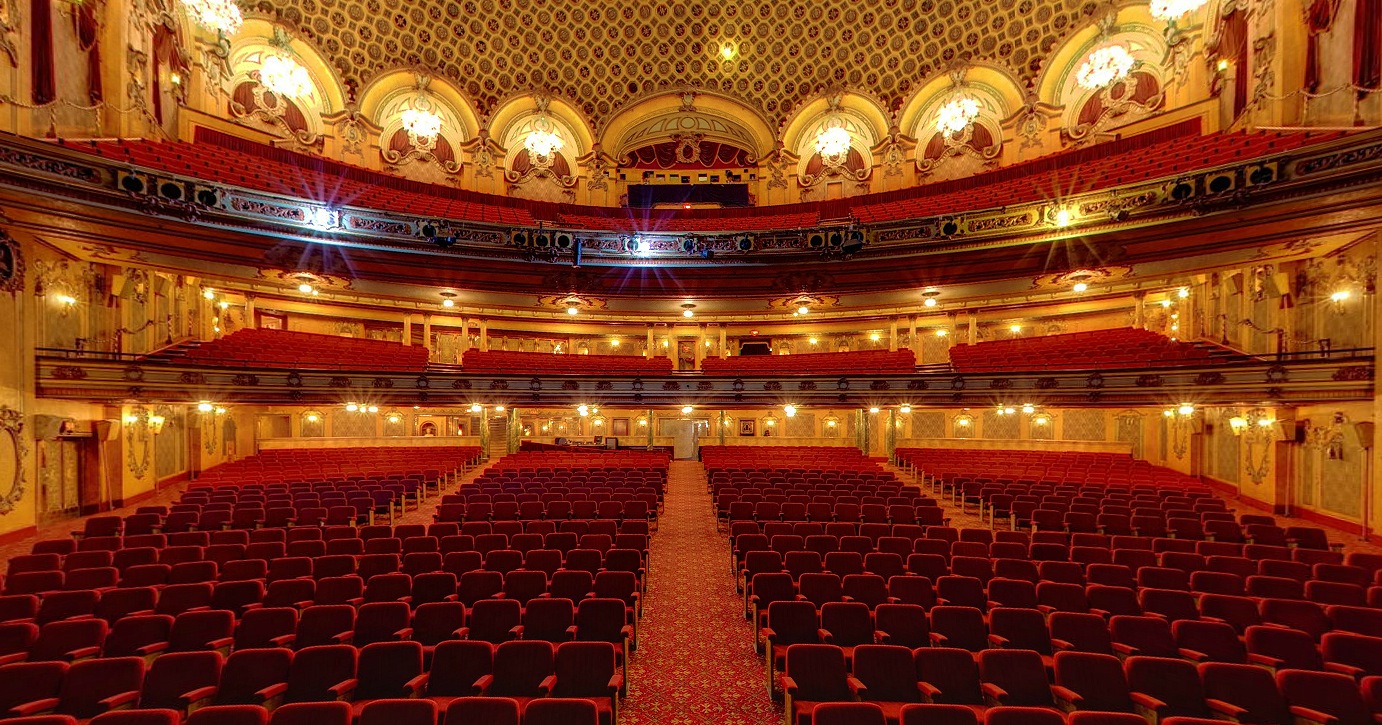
column 1363, row 433
column 132, row 183
column 1235, row 282
column 47, row 427
column 563, row 241
column 1221, row 182
column 520, row 239
column 171, row 190
column 816, row 241
column 688, row 245
column 1264, row 173
column 206, row 195
column 1300, row 430
column 745, row 244
column 836, row 239
column 542, row 240
column 429, row 230
column 854, row 243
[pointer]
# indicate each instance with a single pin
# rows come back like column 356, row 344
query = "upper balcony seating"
column 503, row 362
column 218, row 157
column 825, row 363
column 325, row 464
column 1092, row 350
column 305, row 350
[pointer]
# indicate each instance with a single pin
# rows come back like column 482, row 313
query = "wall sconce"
column 1258, row 430
column 1180, row 421
column 156, row 423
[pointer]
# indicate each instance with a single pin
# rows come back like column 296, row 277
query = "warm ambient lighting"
column 686, row 410
column 1222, row 65
column 1029, row 409
column 803, row 310
column 727, row 51
column 830, row 424
column 956, row 115
column 904, row 409
column 875, row 337
column 394, row 419
column 688, row 313
column 573, row 311
column 1172, row 9
column 1064, row 217
column 1014, row 329
column 205, row 407
column 942, row 332
column 224, row 305
column 1186, row 409
column 1340, row 296
column 448, row 303
column 1080, row 287
column 352, row 407
column 221, row 16
column 1183, row 292
column 498, row 408
column 68, row 300
column 930, row 302
column 789, row 410
column 285, row 76
column 614, row 342
column 543, row 143
column 305, row 288
column 812, row 340
column 209, row 293
column 833, row 141
column 420, row 123
column 962, row 422
column 873, row 409
column 1104, row 66
column 475, row 408
column 1041, row 420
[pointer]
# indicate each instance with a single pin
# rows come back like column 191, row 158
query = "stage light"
column 1183, row 292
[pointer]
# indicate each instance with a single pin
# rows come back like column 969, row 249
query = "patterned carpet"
column 695, row 661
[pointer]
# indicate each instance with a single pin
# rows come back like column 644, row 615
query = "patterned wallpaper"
column 1083, row 425
column 1000, row 426
column 928, row 424
column 345, row 424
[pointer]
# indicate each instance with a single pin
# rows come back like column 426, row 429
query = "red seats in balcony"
column 1092, row 350
column 502, row 362
column 900, row 362
column 304, row 350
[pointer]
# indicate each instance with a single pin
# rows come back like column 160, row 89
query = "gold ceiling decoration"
column 605, row 55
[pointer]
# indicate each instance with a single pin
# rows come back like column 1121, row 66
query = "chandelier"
column 833, row 141
column 1171, row 9
column 543, row 143
column 956, row 115
column 284, row 76
column 221, row 16
column 1104, row 66
column 421, row 123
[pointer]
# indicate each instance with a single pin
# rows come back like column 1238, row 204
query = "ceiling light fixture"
column 686, row 410
column 221, row 16
column 448, row 299
column 1170, row 10
column 1080, row 287
column 834, row 141
column 421, row 123
column 543, row 143
column 956, row 115
column 1104, row 66
column 285, row 76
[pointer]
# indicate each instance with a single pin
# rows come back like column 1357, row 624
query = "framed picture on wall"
column 746, row 427
column 619, row 426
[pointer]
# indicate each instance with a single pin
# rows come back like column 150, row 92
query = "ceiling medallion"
column 285, row 76
column 1169, row 10
column 956, row 115
column 220, row 16
column 1104, row 66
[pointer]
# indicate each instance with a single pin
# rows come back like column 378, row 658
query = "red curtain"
column 88, row 39
column 1233, row 46
column 41, row 52
column 1318, row 20
column 709, row 155
column 1367, row 45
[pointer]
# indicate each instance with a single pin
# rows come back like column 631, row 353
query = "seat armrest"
column 82, row 653
column 283, row 640
column 1265, row 661
column 856, row 688
column 825, row 636
column 1066, row 698
column 1062, row 645
column 548, row 684
column 344, row 637
column 571, row 633
column 152, row 648
column 272, row 691
column 994, row 694
column 881, row 637
column 1124, row 650
column 119, row 701
column 224, row 643
column 1141, row 699
column 789, row 685
column 418, row 685
column 403, row 634
column 15, row 657
column 1193, row 655
column 937, row 639
column 462, row 633
column 767, row 633
column 615, row 684
column 344, row 690
column 36, row 707
column 516, row 631
column 998, row 641
column 1306, row 716
column 1356, row 673
column 1227, row 709
column 355, row 601
column 482, row 685
column 198, row 695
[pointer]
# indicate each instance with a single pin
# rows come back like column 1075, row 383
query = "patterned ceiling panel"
column 604, row 55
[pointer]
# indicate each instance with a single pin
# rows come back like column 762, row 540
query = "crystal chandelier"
column 543, row 143
column 1104, row 66
column 833, row 141
column 1171, row 9
column 421, row 123
column 284, row 76
column 956, row 115
column 221, row 16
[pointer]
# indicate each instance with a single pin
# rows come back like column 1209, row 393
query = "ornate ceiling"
column 605, row 55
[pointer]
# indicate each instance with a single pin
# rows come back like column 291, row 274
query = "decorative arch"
column 1085, row 112
column 691, row 120
column 299, row 119
column 385, row 103
column 868, row 128
column 549, row 176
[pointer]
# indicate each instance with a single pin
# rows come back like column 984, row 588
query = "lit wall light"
column 803, row 310
column 209, row 293
column 789, row 410
column 313, row 417
column 224, row 305
column 1014, row 329
column 323, row 218
column 962, row 422
column 1080, row 287
column 812, row 340
column 573, row 310
column 942, row 332
column 930, row 302
column 614, row 342
column 1028, row 409
column 1041, row 420
column 1063, row 217
column 1183, row 292
column 686, row 410
column 498, row 408
column 904, row 409
column 352, row 407
column 873, row 410
column 1166, row 303
column 306, row 289
column 394, row 419
column 875, row 337
column 1186, row 409
column 475, row 408
column 688, row 313
column 1340, row 296
column 205, row 407
column 374, row 409
column 65, row 299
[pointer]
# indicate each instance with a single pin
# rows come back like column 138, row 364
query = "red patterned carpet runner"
column 695, row 661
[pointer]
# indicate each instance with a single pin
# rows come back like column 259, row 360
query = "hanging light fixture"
column 542, row 141
column 1170, row 10
column 956, row 115
column 833, row 142
column 220, row 16
column 285, row 76
column 1104, row 66
column 421, row 122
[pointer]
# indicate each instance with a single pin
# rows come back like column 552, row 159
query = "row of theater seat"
column 946, row 686
column 880, row 362
column 946, row 466
column 501, row 362
column 574, row 683
column 1096, row 350
column 291, row 469
column 264, row 348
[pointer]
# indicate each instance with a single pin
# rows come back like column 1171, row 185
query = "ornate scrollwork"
column 11, row 260
column 12, row 425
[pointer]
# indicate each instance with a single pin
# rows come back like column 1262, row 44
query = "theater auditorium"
column 681, row 362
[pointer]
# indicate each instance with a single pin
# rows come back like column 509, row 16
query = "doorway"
column 59, row 479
